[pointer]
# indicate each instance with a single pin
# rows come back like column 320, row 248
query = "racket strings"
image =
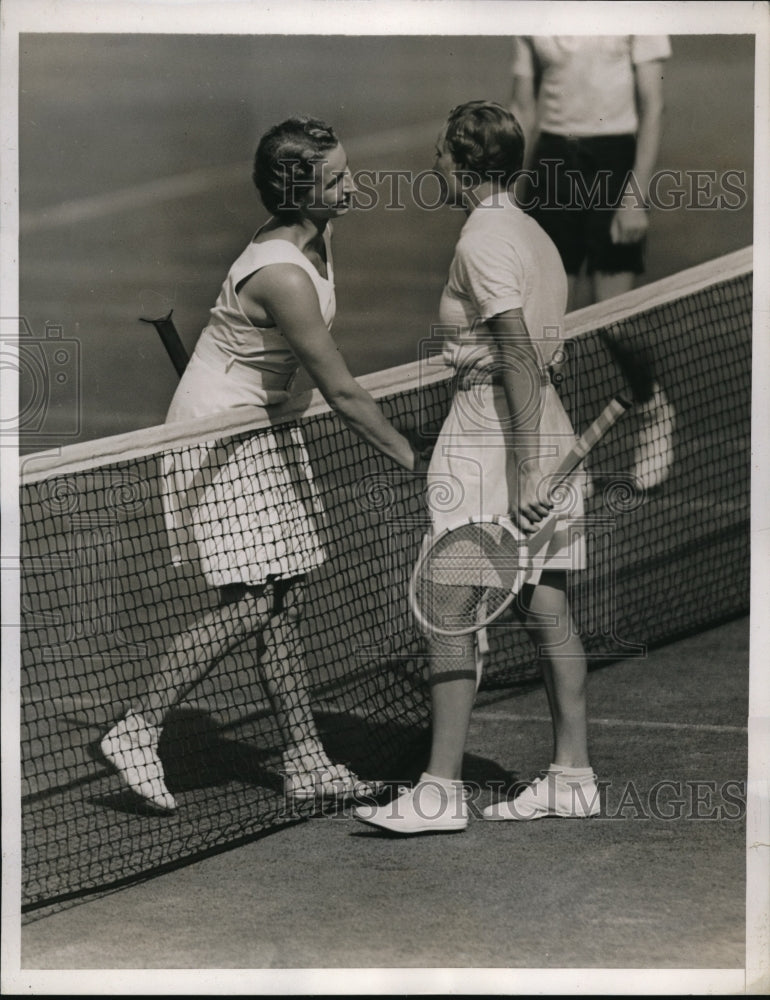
column 467, row 576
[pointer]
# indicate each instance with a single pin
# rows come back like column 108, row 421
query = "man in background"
column 591, row 108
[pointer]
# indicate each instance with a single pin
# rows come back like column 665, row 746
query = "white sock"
column 571, row 772
column 141, row 719
column 449, row 783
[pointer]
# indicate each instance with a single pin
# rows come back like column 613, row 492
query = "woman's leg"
column 568, row 787
column 131, row 746
column 572, row 292
column 193, row 654
column 283, row 664
column 437, row 804
column 308, row 772
column 563, row 661
column 453, row 692
column 607, row 286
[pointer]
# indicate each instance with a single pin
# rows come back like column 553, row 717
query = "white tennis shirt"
column 586, row 82
column 503, row 260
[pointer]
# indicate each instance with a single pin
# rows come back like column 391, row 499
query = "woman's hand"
column 530, row 508
column 422, row 450
column 421, row 460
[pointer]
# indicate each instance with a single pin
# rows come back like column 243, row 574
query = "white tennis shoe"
column 554, row 794
column 309, row 775
column 654, row 450
column 432, row 806
column 330, row 782
column 131, row 746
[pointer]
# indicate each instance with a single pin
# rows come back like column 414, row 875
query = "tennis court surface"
column 145, row 197
column 656, row 882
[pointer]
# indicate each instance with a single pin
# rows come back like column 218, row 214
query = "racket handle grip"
column 591, row 437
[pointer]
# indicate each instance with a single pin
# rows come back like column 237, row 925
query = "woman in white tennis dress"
column 246, row 509
column 245, row 528
column 502, row 314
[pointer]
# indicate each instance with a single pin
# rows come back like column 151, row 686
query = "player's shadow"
column 387, row 751
column 197, row 754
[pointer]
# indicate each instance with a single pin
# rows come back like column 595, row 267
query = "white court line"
column 209, row 178
column 129, row 199
column 638, row 723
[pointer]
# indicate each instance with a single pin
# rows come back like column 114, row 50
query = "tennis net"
column 101, row 599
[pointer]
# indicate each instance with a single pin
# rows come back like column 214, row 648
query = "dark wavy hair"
column 284, row 164
column 486, row 139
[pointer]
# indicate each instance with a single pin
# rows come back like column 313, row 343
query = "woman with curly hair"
column 249, row 511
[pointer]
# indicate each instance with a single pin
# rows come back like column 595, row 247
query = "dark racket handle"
column 171, row 341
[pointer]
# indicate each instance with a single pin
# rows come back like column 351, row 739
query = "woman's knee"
column 246, row 608
column 290, row 599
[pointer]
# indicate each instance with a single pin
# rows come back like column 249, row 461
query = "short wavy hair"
column 485, row 139
column 284, row 164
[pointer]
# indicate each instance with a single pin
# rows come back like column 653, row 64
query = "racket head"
column 468, row 574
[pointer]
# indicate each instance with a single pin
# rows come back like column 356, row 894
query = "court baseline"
column 695, row 727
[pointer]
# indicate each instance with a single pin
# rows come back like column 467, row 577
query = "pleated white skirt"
column 244, row 508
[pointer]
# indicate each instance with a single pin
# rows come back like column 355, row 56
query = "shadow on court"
column 657, row 881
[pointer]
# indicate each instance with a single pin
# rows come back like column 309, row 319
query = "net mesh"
column 102, row 602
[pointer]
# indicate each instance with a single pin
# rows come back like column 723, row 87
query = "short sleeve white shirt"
column 586, row 83
column 503, row 260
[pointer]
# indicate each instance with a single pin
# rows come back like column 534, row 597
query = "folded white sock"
column 571, row 772
column 450, row 783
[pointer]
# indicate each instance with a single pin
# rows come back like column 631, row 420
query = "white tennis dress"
column 503, row 260
column 247, row 508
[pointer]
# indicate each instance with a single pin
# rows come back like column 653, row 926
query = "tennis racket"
column 468, row 574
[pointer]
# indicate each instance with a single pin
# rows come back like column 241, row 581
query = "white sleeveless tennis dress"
column 247, row 508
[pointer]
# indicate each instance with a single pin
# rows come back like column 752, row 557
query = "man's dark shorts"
column 574, row 198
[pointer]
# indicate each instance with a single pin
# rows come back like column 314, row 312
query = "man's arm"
column 523, row 104
column 631, row 221
column 524, row 107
